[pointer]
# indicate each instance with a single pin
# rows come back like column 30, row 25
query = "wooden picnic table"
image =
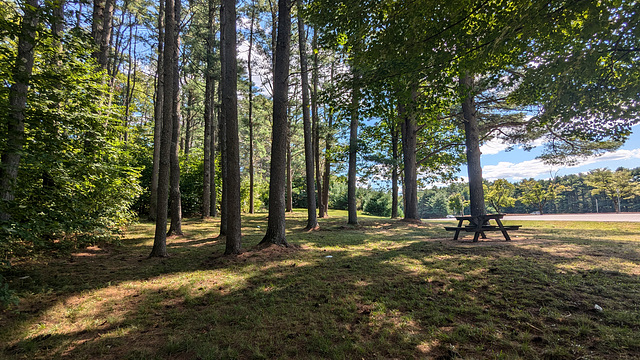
column 480, row 224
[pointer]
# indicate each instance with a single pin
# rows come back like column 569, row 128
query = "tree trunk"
column 316, row 125
column 472, row 137
column 289, row 206
column 17, row 104
column 394, row 171
column 312, row 220
column 230, row 109
column 157, row 115
column 222, row 139
column 276, row 225
column 176, row 202
column 251, row 175
column 188, row 124
column 214, row 191
column 327, row 162
column 170, row 65
column 128, row 90
column 101, row 29
column 353, row 145
column 208, row 114
column 409, row 131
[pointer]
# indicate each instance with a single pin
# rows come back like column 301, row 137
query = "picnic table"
column 480, row 224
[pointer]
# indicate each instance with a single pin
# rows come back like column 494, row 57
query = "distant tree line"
column 600, row 190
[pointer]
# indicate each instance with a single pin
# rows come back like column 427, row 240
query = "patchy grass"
column 382, row 289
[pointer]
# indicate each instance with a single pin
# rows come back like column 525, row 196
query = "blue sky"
column 519, row 164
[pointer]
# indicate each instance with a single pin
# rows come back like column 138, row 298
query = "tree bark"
column 222, row 139
column 215, row 109
column 409, row 131
column 276, row 224
column 289, row 206
column 101, row 29
column 472, row 140
column 353, row 145
column 188, row 124
column 327, row 162
column 312, row 220
column 157, row 115
column 394, row 171
column 176, row 202
column 22, row 72
column 208, row 114
column 230, row 109
column 316, row 126
column 170, row 64
column 251, row 170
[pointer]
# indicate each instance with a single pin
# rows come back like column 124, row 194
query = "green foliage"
column 499, row 195
column 614, row 185
column 433, row 204
column 76, row 183
column 457, row 203
column 191, row 175
column 378, row 203
column 7, row 296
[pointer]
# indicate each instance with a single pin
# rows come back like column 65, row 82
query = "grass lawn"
column 383, row 289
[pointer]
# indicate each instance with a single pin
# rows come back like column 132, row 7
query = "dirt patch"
column 258, row 253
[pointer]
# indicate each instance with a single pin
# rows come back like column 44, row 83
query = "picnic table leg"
column 504, row 231
column 483, row 235
column 455, row 237
column 475, row 236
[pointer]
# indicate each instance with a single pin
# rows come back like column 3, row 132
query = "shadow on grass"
column 389, row 290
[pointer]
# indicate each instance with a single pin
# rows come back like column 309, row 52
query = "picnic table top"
column 487, row 216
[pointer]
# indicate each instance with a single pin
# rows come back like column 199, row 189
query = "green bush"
column 378, row 203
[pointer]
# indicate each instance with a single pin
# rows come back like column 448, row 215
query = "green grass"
column 389, row 290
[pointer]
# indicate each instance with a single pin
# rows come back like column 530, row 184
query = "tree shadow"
column 400, row 296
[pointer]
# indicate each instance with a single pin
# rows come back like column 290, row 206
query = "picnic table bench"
column 480, row 224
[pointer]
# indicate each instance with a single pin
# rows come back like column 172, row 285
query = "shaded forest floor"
column 383, row 289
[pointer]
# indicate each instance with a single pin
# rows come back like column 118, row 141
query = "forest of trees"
column 115, row 110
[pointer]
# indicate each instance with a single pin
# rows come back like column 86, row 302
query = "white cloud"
column 534, row 168
column 496, row 145
column 493, row 147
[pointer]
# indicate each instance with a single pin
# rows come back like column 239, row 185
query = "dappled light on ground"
column 384, row 289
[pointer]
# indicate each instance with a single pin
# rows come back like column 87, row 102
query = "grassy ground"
column 383, row 289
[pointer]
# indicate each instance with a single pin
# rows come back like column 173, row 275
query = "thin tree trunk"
column 157, row 114
column 230, row 110
column 312, row 220
column 472, row 136
column 188, row 124
column 276, row 224
column 17, row 105
column 316, row 125
column 327, row 162
column 208, row 115
column 251, row 175
column 170, row 65
column 214, row 192
column 289, row 206
column 394, row 171
column 58, row 25
column 353, row 148
column 176, row 202
column 127, row 99
column 409, row 131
